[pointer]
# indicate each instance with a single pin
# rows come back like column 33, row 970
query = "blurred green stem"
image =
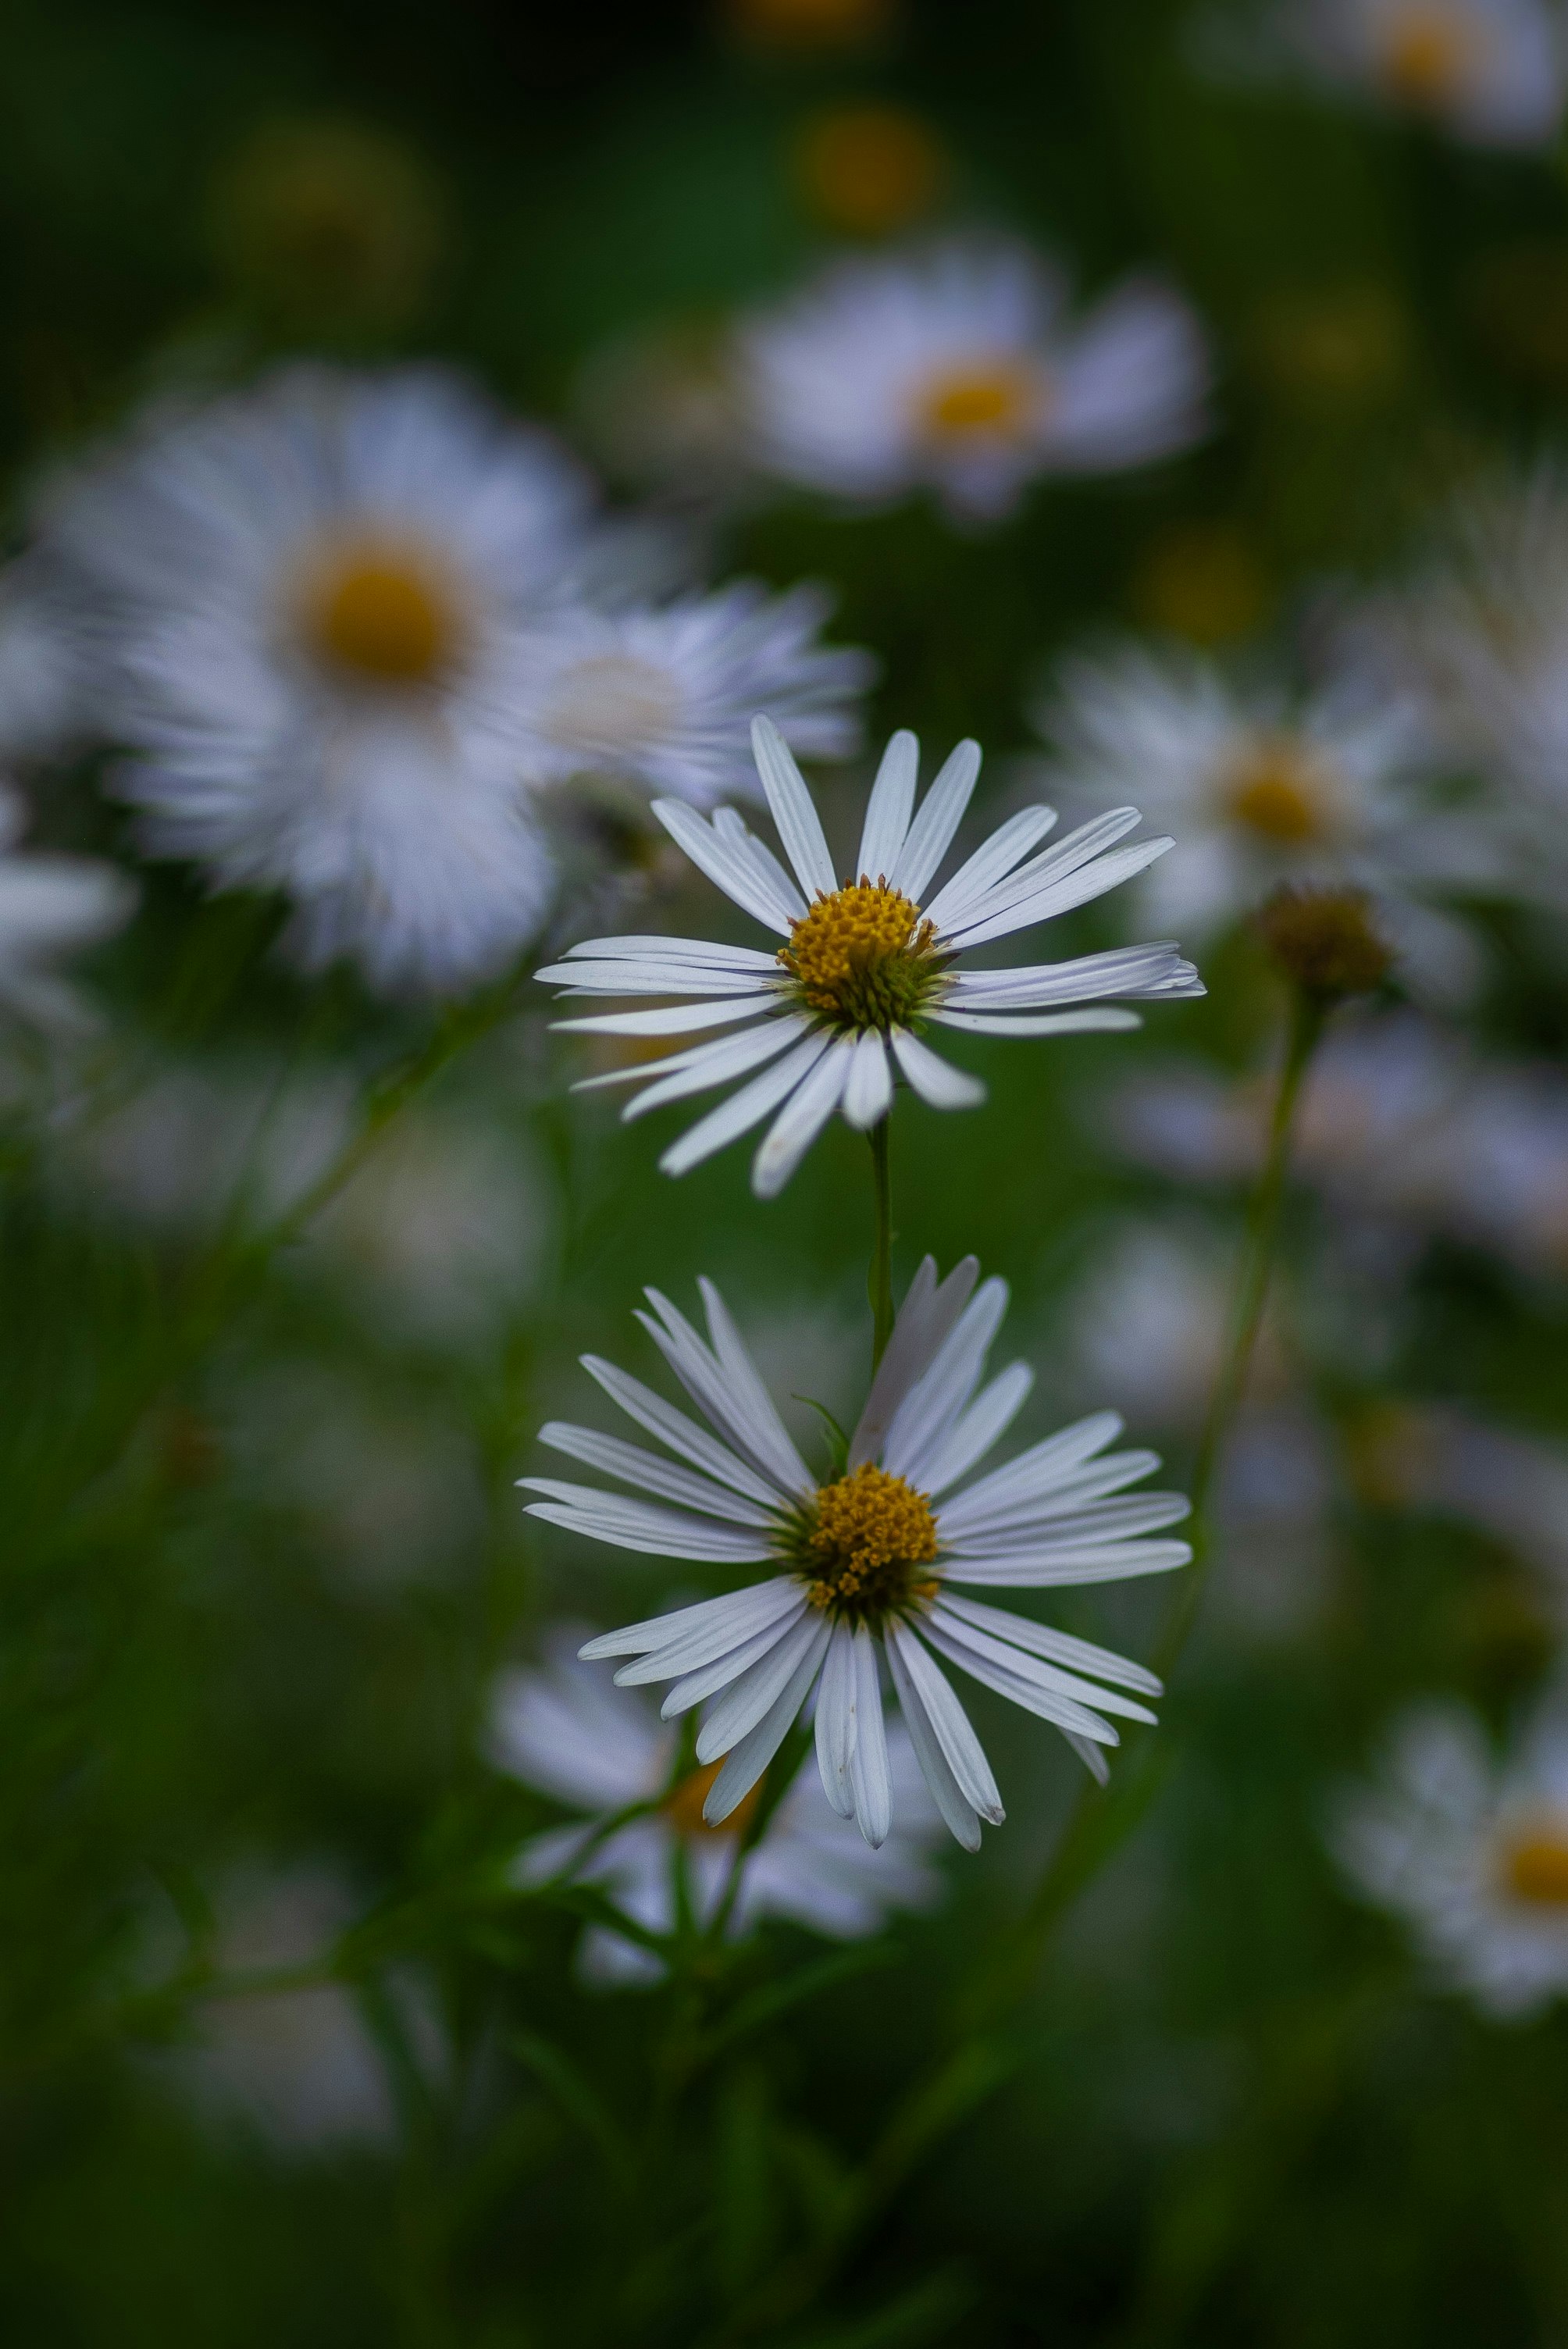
column 879, row 1283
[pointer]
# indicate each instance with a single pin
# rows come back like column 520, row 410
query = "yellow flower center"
column 610, row 703
column 869, row 168
column 999, row 400
column 382, row 613
column 872, row 1535
column 1427, row 55
column 683, row 1804
column 1278, row 791
column 863, row 957
column 1535, row 1866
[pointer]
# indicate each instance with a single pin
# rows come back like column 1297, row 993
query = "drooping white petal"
column 924, row 1319
column 747, row 1385
column 729, row 1391
column 935, row 1401
column 1045, row 1465
column 1111, row 1021
column 681, row 1019
column 734, row 1617
column 801, row 1119
column 936, row 1081
column 733, row 873
column 868, row 1089
column 1048, row 1567
column 751, row 1757
column 636, row 1466
column 887, row 809
column 745, row 1109
column 871, row 1780
column 990, row 863
column 1026, row 1664
column 1062, row 1647
column 706, row 1680
column 638, row 1525
column 941, row 813
column 971, row 1436
column 970, row 1653
column 958, row 1812
column 715, row 1064
column 964, row 1754
column 683, row 1435
column 747, row 1700
column 793, row 811
column 835, row 1725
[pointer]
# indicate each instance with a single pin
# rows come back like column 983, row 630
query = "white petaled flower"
column 50, row 907
column 562, row 1731
column 311, row 596
column 665, row 695
column 829, row 1019
column 1472, row 1854
column 1490, row 71
column 865, row 1566
column 957, row 368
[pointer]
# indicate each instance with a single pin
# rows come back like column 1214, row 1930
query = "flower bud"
column 1324, row 939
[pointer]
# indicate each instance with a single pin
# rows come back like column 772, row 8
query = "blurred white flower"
column 1472, row 1854
column 1490, row 71
column 50, row 907
column 666, row 695
column 865, row 1562
column 957, row 368
column 1263, row 788
column 562, row 1731
column 868, row 964
column 1504, row 1482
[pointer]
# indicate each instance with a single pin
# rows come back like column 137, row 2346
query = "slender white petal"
column 941, row 813
column 747, row 1700
column 1012, row 1656
column 729, row 1391
column 936, row 1081
column 715, row 1064
column 745, row 1109
column 1079, row 1655
column 888, row 808
column 989, row 864
column 672, row 1428
column 924, row 1319
column 958, row 1812
column 1079, row 847
column 1089, row 1562
column 935, row 1401
column 801, row 1119
column 728, row 868
column 750, row 1758
column 835, row 1725
column 1079, row 888
column 638, row 1525
column 738, row 835
column 683, row 1019
column 1109, row 1022
column 964, row 1754
column 967, row 1651
column 706, row 1680
column 869, row 1778
column 1039, row 1470
column 745, row 960
column 969, row 1438
column 793, row 811
column 1125, row 970
column 1111, row 1473
column 1123, row 1519
column 663, row 975
column 734, row 1617
column 747, row 1388
column 868, row 1089
column 636, row 1466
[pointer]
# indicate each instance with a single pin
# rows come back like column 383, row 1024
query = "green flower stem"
column 879, row 1283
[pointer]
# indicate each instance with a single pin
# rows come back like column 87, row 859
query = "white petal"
column 1024, row 1507
column 742, row 959
column 733, row 873
column 868, row 1091
column 751, row 1757
column 726, row 1620
column 930, row 1407
column 1078, row 889
column 989, row 864
column 970, row 1437
column 1079, row 847
column 791, row 806
column 1121, row 1519
column 1109, row 1022
column 1014, row 1657
column 747, row 1387
column 638, row 1525
column 924, row 1319
column 730, row 1391
column 1079, row 1655
column 801, row 1119
column 636, row 1466
column 664, row 976
column 683, row 1019
column 745, row 1109
column 869, row 1774
column 1046, row 1568
column 957, row 1812
column 936, row 1081
column 970, row 1655
column 747, row 1700
column 1124, row 971
column 761, row 860
column 941, row 813
column 888, row 808
column 835, row 1725
column 706, row 1680
column 715, row 1064
column 964, row 1754
column 1041, row 1469
column 672, row 1428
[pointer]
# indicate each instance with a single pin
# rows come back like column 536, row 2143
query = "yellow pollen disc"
column 683, row 1804
column 1427, row 55
column 1277, row 790
column 1535, row 1867
column 994, row 402
column 382, row 615
column 864, row 956
column 873, row 1533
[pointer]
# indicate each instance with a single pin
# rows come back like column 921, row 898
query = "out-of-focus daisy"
column 664, row 696
column 564, row 1731
column 313, row 594
column 835, row 1014
column 50, row 907
column 1490, row 71
column 1264, row 789
column 1474, row 1855
column 957, row 369
column 864, row 1561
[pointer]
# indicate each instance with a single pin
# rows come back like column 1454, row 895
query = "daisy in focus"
column 50, row 907
column 562, row 1731
column 864, row 1563
column 832, row 1016
column 957, row 369
column 1471, row 1853
column 1266, row 789
column 1490, row 71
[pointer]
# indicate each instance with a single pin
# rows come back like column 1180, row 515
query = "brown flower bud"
column 1324, row 939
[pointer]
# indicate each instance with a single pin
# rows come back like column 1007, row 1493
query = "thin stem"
column 879, row 1283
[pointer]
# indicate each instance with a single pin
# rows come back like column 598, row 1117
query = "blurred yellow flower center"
column 613, row 702
column 1276, row 789
column 998, row 401
column 808, row 24
column 683, row 1804
column 383, row 614
column 869, row 168
column 1535, row 1867
column 863, row 957
column 874, row 1533
column 1428, row 54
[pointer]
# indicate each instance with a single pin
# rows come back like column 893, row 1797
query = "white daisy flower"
column 1264, row 788
column 50, row 907
column 1474, row 1855
column 664, row 696
column 865, row 1564
column 312, row 594
column 837, row 1011
column 1490, row 71
column 562, row 1731
column 955, row 369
